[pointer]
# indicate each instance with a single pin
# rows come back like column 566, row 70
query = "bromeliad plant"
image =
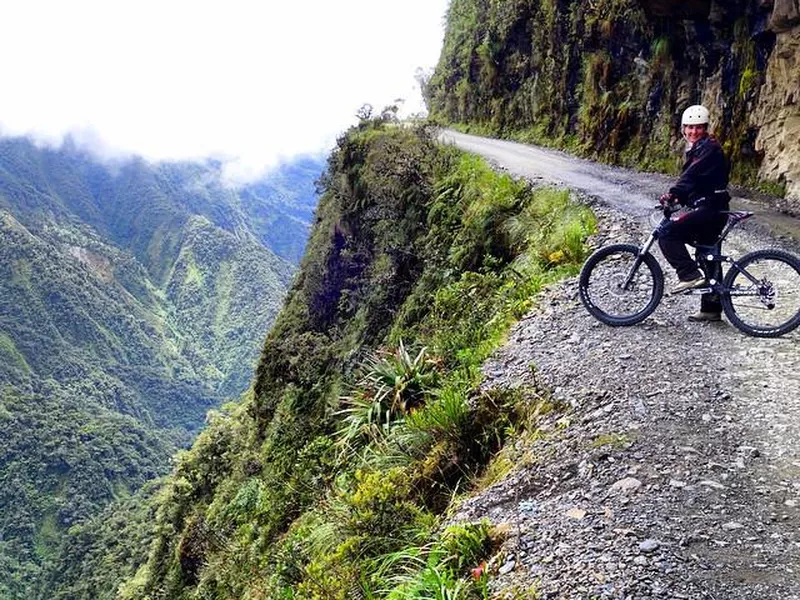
column 393, row 385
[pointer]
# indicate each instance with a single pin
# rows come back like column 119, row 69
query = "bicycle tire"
column 649, row 268
column 739, row 320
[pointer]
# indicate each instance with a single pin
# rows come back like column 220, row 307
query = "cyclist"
column 701, row 187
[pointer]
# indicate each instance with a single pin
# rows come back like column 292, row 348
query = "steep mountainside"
column 610, row 78
column 133, row 298
column 169, row 240
column 332, row 478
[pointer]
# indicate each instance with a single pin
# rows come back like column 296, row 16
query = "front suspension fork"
column 638, row 261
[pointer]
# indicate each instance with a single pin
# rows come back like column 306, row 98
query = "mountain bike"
column 622, row 284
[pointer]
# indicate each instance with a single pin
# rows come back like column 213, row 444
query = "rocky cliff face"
column 777, row 115
column 610, row 78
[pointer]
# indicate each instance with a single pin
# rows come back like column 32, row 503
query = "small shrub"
column 466, row 545
column 437, row 571
column 393, row 385
column 445, row 418
column 611, row 440
column 380, row 506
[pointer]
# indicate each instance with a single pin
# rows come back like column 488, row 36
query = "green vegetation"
column 600, row 79
column 331, row 480
column 102, row 552
column 63, row 458
column 611, row 440
column 131, row 301
column 12, row 357
column 775, row 188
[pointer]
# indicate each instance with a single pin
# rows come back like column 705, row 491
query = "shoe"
column 705, row 317
column 685, row 286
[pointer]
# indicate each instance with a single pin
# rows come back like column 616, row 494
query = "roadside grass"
column 417, row 431
column 334, row 480
column 613, row 441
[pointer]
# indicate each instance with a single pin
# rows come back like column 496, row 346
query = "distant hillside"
column 133, row 298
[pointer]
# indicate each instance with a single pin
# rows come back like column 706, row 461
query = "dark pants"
column 699, row 227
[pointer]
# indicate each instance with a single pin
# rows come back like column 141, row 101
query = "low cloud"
column 247, row 83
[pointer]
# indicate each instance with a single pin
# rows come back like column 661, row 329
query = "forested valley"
column 134, row 297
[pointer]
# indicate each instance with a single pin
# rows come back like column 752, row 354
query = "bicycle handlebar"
column 669, row 209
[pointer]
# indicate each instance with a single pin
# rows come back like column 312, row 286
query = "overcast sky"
column 172, row 79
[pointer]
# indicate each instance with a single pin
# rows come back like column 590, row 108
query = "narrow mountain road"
column 673, row 470
column 631, row 192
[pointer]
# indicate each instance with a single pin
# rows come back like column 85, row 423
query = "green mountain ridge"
column 133, row 299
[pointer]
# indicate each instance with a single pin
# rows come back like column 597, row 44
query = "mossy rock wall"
column 610, row 78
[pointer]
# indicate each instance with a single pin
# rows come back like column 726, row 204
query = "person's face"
column 692, row 133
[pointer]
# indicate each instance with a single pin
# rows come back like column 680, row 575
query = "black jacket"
column 704, row 177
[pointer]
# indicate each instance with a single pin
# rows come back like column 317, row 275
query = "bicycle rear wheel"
column 769, row 304
column 602, row 289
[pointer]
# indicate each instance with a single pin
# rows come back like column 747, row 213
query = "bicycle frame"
column 723, row 259
column 711, row 257
column 645, row 249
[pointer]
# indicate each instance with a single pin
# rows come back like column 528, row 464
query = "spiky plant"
column 436, row 571
column 393, row 384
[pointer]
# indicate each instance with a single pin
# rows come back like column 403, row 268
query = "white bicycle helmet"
column 695, row 115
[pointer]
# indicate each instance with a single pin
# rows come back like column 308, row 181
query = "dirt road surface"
column 674, row 469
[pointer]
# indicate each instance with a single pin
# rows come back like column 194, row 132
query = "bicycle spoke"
column 616, row 298
column 614, row 292
column 771, row 304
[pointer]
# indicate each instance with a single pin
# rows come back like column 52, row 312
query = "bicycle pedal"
column 696, row 291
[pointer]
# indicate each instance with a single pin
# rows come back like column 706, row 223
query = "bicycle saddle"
column 734, row 216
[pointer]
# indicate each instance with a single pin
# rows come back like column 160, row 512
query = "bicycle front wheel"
column 603, row 290
column 762, row 295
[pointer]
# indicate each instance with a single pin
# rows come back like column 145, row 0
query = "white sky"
column 254, row 81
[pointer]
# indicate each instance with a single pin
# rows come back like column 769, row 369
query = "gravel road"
column 631, row 192
column 673, row 470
